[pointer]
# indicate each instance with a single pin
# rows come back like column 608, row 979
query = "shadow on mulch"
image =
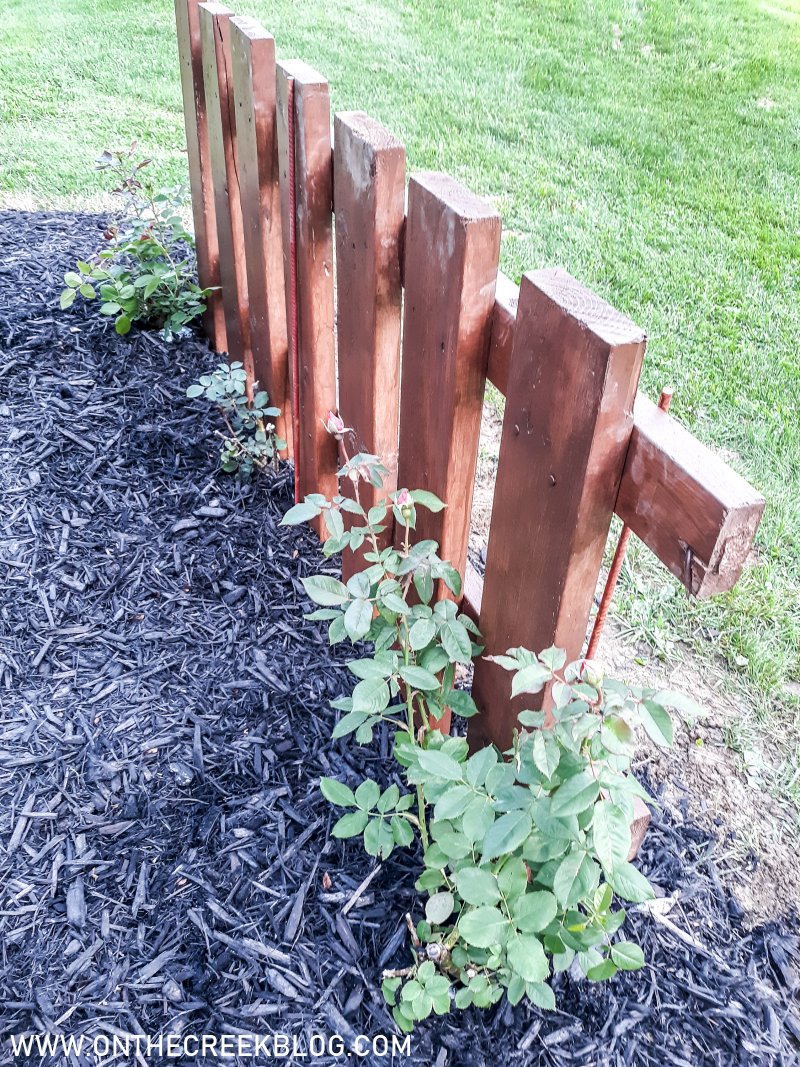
column 165, row 718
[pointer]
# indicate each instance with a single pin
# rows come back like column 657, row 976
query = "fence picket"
column 369, row 193
column 675, row 494
column 215, row 37
column 452, row 247
column 253, row 75
column 315, row 450
column 572, row 379
column 200, row 182
column 573, row 447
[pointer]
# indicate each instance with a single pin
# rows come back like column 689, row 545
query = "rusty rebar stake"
column 293, row 293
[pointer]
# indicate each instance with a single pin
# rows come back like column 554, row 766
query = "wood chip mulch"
column 165, row 864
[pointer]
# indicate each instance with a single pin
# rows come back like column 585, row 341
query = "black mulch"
column 165, row 862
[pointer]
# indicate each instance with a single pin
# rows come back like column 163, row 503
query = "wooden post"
column 569, row 414
column 452, row 248
column 200, row 182
column 253, row 76
column 369, row 166
column 675, row 494
column 315, row 451
column 215, row 37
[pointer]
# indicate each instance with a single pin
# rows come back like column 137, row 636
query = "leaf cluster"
column 144, row 272
column 524, row 857
column 250, row 442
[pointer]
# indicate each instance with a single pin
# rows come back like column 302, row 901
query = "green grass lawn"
column 651, row 148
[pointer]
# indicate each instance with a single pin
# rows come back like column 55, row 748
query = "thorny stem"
column 415, row 941
column 401, row 972
column 258, row 460
column 226, row 421
column 421, row 819
column 372, row 536
column 162, row 237
column 423, row 822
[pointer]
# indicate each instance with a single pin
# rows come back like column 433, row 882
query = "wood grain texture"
column 369, row 166
column 676, row 494
column 452, row 246
column 573, row 376
column 504, row 321
column 641, row 821
column 473, row 594
column 315, row 450
column 187, row 20
column 253, row 76
column 215, row 37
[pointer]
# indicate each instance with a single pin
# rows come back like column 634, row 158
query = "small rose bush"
column 144, row 272
column 524, row 853
column 250, row 443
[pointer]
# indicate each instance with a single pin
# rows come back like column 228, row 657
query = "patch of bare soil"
column 704, row 780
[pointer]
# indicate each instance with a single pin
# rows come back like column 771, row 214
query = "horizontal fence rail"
column 422, row 320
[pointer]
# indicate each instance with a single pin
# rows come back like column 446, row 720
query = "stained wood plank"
column 253, row 76
column 315, row 450
column 452, row 246
column 472, row 594
column 641, row 821
column 369, row 166
column 187, row 21
column 569, row 415
column 216, row 45
column 504, row 321
column 676, row 494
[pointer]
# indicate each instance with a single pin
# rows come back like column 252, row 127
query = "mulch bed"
column 165, row 864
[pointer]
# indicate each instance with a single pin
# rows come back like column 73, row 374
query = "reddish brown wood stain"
column 569, row 414
column 675, row 493
column 253, row 76
column 574, row 447
column 200, row 181
column 369, row 166
column 215, row 36
column 315, row 450
column 452, row 246
column 689, row 507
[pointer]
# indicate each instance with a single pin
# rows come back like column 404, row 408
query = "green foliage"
column 523, row 857
column 250, row 442
column 618, row 138
column 144, row 272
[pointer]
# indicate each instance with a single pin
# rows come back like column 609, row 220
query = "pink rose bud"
column 592, row 672
column 335, row 425
column 403, row 499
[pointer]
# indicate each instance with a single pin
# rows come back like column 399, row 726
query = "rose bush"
column 523, row 857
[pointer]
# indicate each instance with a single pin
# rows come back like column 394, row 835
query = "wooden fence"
column 420, row 262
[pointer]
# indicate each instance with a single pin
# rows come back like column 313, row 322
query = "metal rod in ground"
column 664, row 402
column 293, row 293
